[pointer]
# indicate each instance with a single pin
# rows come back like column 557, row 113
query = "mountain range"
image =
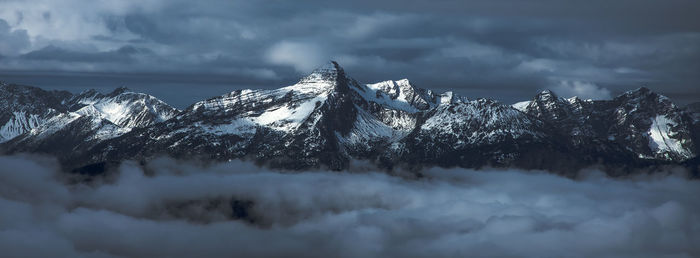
column 328, row 119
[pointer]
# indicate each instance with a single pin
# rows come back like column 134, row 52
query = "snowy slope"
column 23, row 108
column 478, row 120
column 522, row 105
column 282, row 109
column 89, row 118
column 124, row 108
column 19, row 123
column 661, row 138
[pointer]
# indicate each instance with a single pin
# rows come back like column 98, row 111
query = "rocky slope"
column 639, row 122
column 24, row 108
column 63, row 124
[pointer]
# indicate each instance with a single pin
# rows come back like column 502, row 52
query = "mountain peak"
column 119, row 90
column 547, row 92
column 406, row 86
column 642, row 90
column 546, row 96
column 642, row 93
column 330, row 75
column 330, row 65
column 329, row 68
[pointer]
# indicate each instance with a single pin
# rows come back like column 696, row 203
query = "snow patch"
column 660, row 137
column 288, row 118
column 522, row 105
column 368, row 128
column 391, row 94
column 19, row 123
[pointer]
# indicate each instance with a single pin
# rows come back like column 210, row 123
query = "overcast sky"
column 184, row 51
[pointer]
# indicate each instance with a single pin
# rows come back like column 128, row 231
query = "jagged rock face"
column 325, row 119
column 75, row 123
column 294, row 126
column 652, row 126
column 328, row 119
column 472, row 134
column 640, row 122
column 23, row 108
column 122, row 107
column 402, row 91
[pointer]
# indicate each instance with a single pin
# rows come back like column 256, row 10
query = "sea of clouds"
column 170, row 208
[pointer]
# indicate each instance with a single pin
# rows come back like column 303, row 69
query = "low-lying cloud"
column 304, row 57
column 179, row 209
column 584, row 90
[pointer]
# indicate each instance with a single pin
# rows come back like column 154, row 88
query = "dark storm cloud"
column 243, row 210
column 12, row 41
column 502, row 49
column 123, row 54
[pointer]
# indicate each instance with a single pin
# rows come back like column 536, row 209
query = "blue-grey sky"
column 184, row 51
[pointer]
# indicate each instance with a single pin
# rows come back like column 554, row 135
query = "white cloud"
column 584, row 90
column 538, row 65
column 70, row 22
column 304, row 57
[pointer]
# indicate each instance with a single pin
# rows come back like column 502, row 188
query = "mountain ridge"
column 328, row 119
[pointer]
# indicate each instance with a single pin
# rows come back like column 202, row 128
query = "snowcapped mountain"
column 123, row 108
column 76, row 122
column 640, row 122
column 24, row 108
column 328, row 119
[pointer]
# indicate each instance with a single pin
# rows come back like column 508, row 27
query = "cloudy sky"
column 184, row 51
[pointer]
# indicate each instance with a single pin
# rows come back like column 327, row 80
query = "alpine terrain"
column 328, row 119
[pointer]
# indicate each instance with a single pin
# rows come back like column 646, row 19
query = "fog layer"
column 179, row 209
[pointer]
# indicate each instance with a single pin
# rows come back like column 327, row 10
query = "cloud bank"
column 179, row 209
